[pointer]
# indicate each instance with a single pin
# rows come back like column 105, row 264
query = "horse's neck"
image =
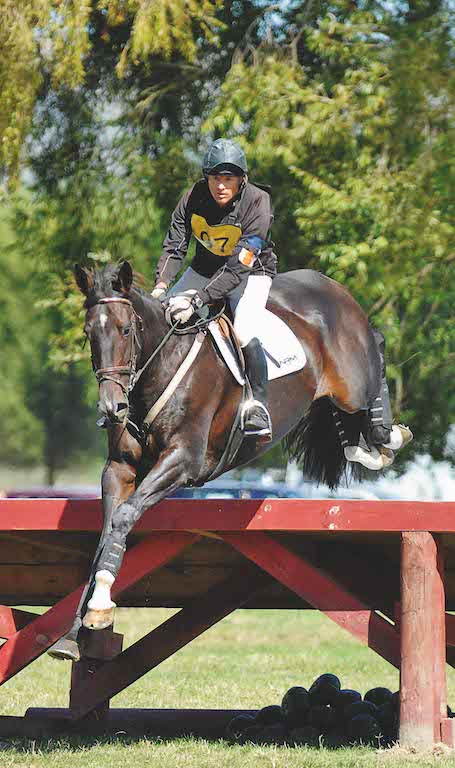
column 154, row 330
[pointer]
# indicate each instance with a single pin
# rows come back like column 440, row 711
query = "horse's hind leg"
column 118, row 483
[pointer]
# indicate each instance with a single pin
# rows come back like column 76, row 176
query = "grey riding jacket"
column 232, row 242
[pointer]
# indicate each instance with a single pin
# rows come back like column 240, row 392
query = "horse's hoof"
column 98, row 619
column 370, row 459
column 387, row 456
column 65, row 650
column 399, row 437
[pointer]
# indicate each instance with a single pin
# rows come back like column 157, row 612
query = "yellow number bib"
column 219, row 239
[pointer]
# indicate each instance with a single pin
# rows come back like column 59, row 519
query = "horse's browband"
column 110, row 299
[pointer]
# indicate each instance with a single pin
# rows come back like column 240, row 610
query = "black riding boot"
column 255, row 417
column 381, row 410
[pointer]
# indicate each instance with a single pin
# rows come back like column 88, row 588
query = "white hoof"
column 399, row 437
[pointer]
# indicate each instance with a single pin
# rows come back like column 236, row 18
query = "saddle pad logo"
column 219, row 239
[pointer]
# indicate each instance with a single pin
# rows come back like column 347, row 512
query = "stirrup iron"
column 260, row 431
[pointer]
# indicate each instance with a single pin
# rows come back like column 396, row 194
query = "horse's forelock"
column 103, row 280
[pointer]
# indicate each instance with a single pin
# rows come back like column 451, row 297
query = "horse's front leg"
column 171, row 471
column 117, row 483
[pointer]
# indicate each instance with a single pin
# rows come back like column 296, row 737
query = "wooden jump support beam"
column 375, row 568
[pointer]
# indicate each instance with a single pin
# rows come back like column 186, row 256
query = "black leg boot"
column 381, row 410
column 255, row 417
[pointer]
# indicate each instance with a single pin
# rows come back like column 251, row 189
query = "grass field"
column 248, row 661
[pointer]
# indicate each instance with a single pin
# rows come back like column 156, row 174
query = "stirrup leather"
column 247, row 406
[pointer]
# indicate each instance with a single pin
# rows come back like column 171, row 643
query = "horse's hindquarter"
column 335, row 333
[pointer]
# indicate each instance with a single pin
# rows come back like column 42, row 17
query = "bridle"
column 111, row 373
column 130, row 369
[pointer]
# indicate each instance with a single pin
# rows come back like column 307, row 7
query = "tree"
column 352, row 127
column 50, row 41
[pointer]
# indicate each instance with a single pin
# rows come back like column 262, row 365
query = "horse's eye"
column 126, row 331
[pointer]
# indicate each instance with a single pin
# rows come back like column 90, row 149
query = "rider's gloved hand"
column 159, row 290
column 180, row 308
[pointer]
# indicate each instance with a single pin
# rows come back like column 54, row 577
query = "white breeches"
column 247, row 301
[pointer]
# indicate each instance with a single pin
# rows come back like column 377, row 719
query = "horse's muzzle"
column 115, row 413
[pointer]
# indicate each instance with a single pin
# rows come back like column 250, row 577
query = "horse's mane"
column 106, row 284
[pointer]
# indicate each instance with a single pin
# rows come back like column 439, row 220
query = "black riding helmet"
column 224, row 156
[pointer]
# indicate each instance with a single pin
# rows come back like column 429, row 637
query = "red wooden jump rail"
column 381, row 570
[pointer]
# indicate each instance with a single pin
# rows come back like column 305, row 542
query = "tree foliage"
column 345, row 108
column 51, row 40
column 357, row 148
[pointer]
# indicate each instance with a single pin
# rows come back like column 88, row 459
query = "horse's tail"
column 316, row 445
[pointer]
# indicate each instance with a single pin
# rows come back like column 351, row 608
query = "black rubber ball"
column 336, row 738
column 396, row 700
column 272, row 734
column 364, row 729
column 269, row 715
column 251, row 734
column 387, row 718
column 304, row 736
column 325, row 689
column 295, row 706
column 237, row 725
column 322, row 717
column 361, row 708
column 345, row 698
column 378, row 696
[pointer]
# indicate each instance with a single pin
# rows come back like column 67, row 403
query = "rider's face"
column 223, row 187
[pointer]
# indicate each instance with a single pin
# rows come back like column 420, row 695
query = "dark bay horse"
column 125, row 327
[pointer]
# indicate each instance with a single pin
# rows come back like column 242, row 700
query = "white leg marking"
column 101, row 598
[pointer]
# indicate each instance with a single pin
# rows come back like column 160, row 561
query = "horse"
column 135, row 355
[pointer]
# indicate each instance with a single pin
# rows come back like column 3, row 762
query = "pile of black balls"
column 324, row 715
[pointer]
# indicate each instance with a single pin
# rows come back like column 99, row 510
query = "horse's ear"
column 84, row 279
column 124, row 278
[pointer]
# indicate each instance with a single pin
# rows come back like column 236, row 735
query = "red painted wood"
column 169, row 637
column 13, row 619
column 417, row 681
column 450, row 625
column 439, row 640
column 100, row 647
column 320, row 591
column 450, row 629
column 448, row 731
column 39, row 635
column 235, row 515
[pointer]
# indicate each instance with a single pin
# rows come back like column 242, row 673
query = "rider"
column 230, row 219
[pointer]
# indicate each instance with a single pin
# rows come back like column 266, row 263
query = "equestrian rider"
column 230, row 219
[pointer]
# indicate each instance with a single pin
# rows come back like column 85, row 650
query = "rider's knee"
column 245, row 327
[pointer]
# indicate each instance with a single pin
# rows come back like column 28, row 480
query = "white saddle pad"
column 282, row 349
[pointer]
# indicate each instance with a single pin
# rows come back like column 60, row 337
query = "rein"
column 109, row 374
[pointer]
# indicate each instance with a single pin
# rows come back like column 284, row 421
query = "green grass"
column 247, row 661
